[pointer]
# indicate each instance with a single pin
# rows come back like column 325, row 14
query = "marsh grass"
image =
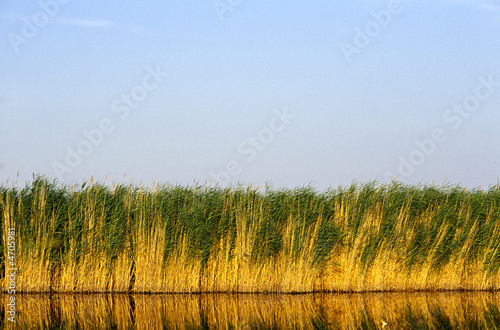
column 95, row 238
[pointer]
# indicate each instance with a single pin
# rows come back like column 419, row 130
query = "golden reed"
column 171, row 239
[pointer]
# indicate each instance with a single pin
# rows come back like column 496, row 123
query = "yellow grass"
column 178, row 240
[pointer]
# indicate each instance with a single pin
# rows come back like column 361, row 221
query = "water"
column 456, row 310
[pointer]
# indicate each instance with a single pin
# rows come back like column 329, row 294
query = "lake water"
column 459, row 310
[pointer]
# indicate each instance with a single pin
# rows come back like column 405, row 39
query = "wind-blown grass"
column 95, row 238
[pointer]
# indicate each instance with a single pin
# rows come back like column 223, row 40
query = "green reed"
column 171, row 238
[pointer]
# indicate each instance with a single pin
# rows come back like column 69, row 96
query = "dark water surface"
column 446, row 310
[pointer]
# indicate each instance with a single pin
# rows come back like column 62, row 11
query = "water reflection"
column 247, row 311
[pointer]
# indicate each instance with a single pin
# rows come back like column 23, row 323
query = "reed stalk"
column 95, row 238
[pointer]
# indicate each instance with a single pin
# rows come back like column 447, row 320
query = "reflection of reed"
column 242, row 311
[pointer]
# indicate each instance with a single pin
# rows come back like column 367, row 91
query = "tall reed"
column 168, row 238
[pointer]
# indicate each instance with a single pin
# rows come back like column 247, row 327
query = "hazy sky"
column 295, row 92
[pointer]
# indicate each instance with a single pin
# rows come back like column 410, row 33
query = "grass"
column 95, row 238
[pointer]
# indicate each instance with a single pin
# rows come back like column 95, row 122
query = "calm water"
column 249, row 311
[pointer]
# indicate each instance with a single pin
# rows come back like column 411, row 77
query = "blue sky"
column 296, row 93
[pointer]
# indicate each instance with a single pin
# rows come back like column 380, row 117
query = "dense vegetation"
column 95, row 238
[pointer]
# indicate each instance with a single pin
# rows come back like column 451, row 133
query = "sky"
column 295, row 93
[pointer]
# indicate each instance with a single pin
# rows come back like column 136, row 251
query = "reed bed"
column 170, row 238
